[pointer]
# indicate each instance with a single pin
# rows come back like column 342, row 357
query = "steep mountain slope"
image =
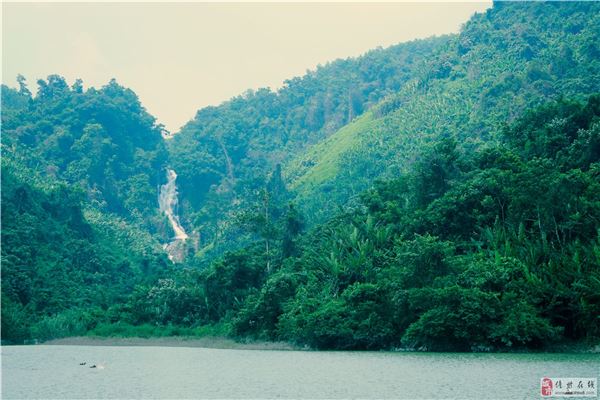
column 224, row 155
column 497, row 248
column 514, row 56
column 63, row 265
column 100, row 140
column 79, row 172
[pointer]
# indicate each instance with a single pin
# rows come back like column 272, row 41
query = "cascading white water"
column 167, row 201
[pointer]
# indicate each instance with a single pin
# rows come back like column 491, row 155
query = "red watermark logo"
column 546, row 387
column 569, row 387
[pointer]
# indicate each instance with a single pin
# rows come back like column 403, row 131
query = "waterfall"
column 168, row 202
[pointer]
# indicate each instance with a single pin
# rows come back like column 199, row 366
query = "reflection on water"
column 175, row 372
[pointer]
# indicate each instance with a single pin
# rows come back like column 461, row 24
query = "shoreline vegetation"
column 208, row 342
column 216, row 337
column 225, row 343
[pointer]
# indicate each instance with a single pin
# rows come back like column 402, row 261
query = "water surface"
column 177, row 372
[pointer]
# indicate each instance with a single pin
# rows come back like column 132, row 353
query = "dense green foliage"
column 77, row 189
column 101, row 140
column 441, row 194
column 224, row 155
column 61, row 268
column 340, row 127
column 498, row 248
column 511, row 58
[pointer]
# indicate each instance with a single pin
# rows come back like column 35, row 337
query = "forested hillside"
column 79, row 176
column 102, row 141
column 340, row 127
column 441, row 194
column 505, row 61
column 225, row 155
column 62, row 266
column 495, row 249
column 498, row 248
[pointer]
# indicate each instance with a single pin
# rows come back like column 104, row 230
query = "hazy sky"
column 184, row 56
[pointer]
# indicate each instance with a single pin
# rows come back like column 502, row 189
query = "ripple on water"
column 176, row 372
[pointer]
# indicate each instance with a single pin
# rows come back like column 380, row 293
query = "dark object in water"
column 83, row 363
column 93, row 366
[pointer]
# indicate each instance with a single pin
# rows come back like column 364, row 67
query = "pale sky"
column 180, row 57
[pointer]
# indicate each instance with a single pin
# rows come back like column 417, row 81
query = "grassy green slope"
column 320, row 163
column 510, row 58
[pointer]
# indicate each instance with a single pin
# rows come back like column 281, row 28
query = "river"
column 176, row 372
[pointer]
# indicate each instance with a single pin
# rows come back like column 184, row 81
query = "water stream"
column 168, row 204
